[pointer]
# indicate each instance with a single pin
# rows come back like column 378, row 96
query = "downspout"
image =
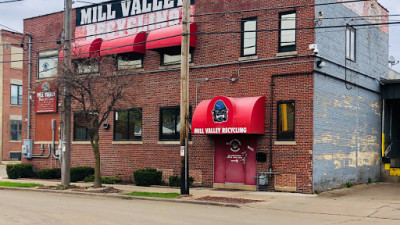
column 271, row 120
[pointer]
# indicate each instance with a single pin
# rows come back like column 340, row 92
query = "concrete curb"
column 126, row 197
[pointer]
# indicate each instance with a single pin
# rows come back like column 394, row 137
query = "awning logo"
column 220, row 112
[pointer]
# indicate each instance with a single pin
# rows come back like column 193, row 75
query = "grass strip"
column 154, row 195
column 20, row 185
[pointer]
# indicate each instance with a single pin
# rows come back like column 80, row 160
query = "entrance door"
column 235, row 159
column 235, row 162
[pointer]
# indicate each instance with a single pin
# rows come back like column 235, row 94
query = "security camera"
column 314, row 47
column 316, row 51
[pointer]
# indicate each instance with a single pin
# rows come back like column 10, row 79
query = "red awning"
column 169, row 37
column 116, row 45
column 223, row 115
column 84, row 49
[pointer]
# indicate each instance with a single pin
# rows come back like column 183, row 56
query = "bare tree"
column 96, row 88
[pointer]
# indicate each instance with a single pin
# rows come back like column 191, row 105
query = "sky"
column 12, row 15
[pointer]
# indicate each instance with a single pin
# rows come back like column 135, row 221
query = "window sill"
column 127, row 142
column 284, row 142
column 10, row 162
column 45, row 142
column 247, row 58
column 80, row 142
column 286, row 54
column 171, row 142
column 19, row 106
column 38, row 80
column 177, row 66
column 15, row 141
column 139, row 70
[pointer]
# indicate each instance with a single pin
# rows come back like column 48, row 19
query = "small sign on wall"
column 45, row 98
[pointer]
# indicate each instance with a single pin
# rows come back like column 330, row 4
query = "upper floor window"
column 87, row 65
column 170, row 123
column 15, row 130
column 173, row 58
column 287, row 34
column 128, row 125
column 350, row 43
column 249, row 37
column 48, row 62
column 129, row 61
column 16, row 94
column 286, row 121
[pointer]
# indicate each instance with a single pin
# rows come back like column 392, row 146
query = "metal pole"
column 184, row 110
column 66, row 113
column 28, row 127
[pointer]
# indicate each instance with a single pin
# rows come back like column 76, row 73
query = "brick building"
column 262, row 98
column 10, row 96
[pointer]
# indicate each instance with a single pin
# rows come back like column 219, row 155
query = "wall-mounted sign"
column 48, row 62
column 126, row 17
column 45, row 98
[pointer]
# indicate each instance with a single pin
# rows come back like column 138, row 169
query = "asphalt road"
column 26, row 207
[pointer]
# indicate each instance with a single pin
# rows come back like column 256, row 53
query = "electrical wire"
column 230, row 32
column 99, row 34
column 11, row 1
column 215, row 13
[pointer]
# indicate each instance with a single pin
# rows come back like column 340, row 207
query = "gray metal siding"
column 347, row 118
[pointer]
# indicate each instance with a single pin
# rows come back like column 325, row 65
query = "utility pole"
column 184, row 113
column 66, row 112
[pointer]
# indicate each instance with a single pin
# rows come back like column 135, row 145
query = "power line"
column 233, row 32
column 9, row 28
column 278, row 8
column 216, row 13
column 11, row 1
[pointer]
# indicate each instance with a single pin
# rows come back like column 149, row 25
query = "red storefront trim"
column 117, row 45
column 169, row 37
column 84, row 49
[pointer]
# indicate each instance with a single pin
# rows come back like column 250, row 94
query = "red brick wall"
column 154, row 90
column 9, row 73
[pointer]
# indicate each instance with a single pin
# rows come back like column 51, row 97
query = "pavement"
column 368, row 201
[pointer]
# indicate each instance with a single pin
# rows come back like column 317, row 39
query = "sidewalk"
column 379, row 200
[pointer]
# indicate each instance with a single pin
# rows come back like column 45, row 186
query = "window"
column 287, row 34
column 249, row 37
column 286, row 112
column 81, row 132
column 48, row 62
column 15, row 130
column 170, row 123
column 129, row 61
column 350, row 43
column 173, row 57
column 16, row 94
column 128, row 125
column 86, row 66
column 15, row 156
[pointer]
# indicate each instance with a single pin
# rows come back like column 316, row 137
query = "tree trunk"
column 95, row 147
